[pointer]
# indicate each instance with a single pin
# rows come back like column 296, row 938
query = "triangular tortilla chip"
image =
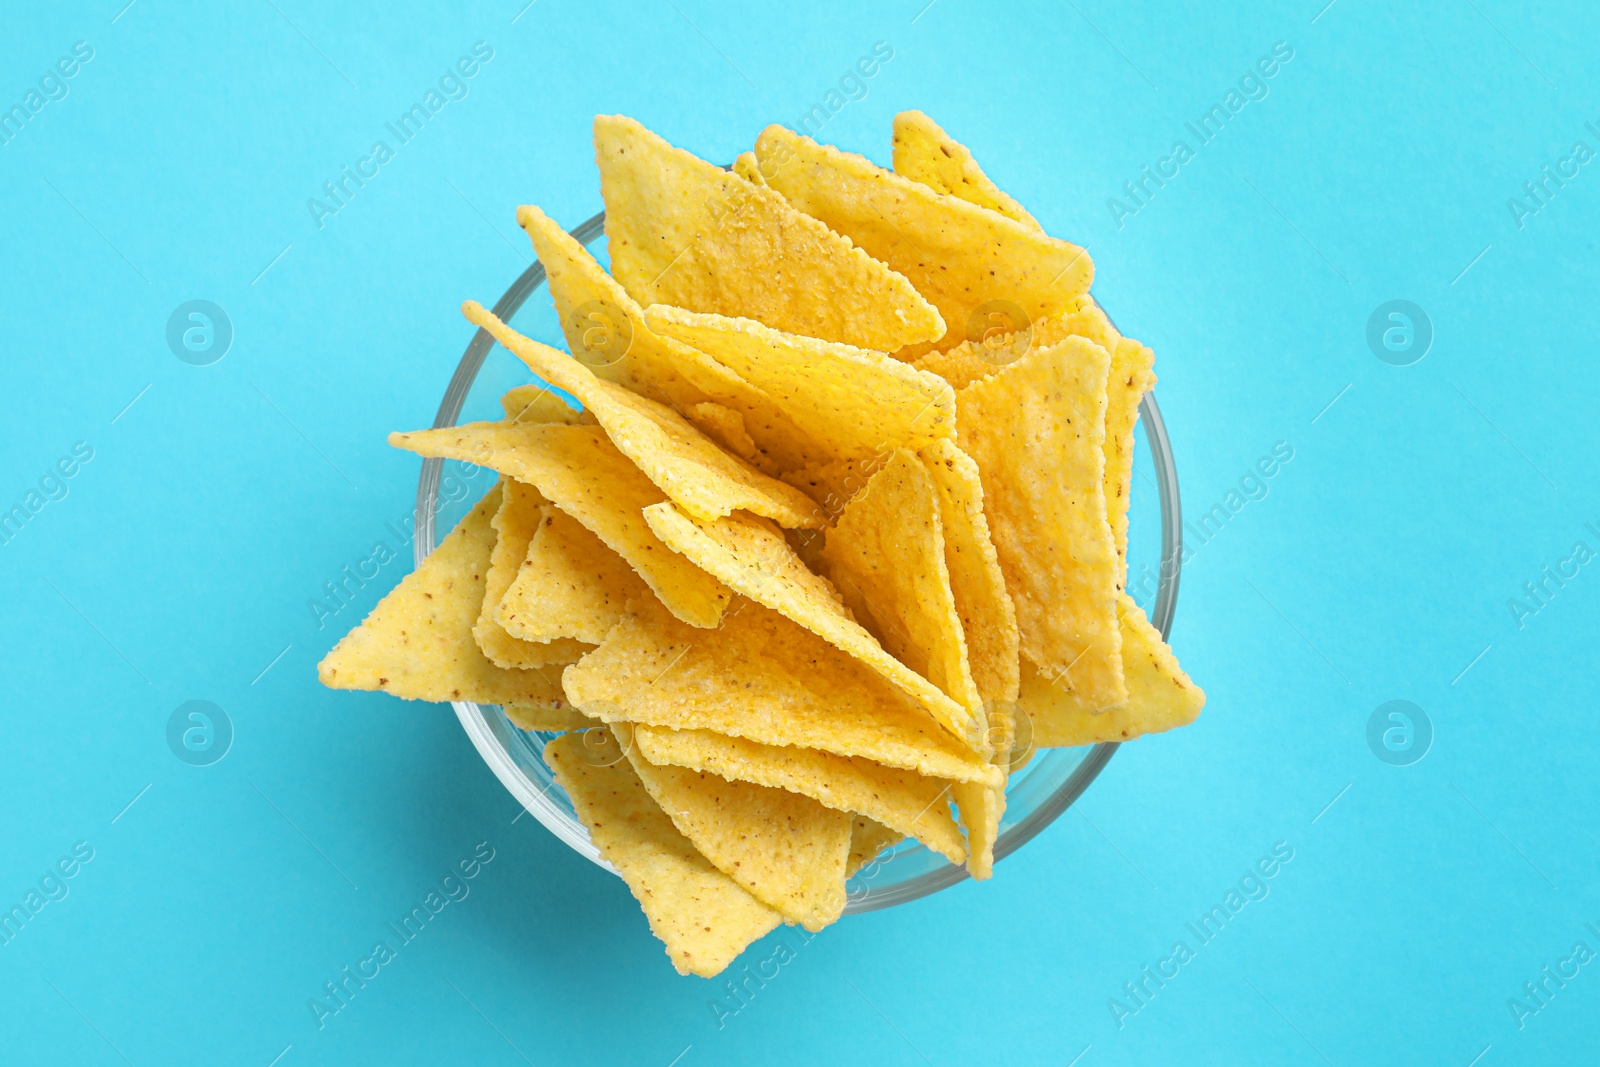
column 886, row 555
column 1036, row 429
column 767, row 679
column 605, row 328
column 579, row 470
column 958, row 255
column 980, row 807
column 915, row 806
column 685, row 464
column 704, row 918
column 417, row 643
column 569, row 585
column 537, row 402
column 752, row 557
column 1160, row 696
column 925, row 153
column 521, row 507
column 745, row 167
column 868, row 838
column 853, row 402
column 784, row 849
column 689, row 234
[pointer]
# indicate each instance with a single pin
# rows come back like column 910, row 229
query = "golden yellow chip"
column 724, row 426
column 1036, row 430
column 417, row 643
column 886, row 555
column 605, row 329
column 867, row 840
column 579, row 470
column 689, row 234
column 988, row 617
column 569, row 585
column 963, row 258
column 852, row 402
column 1160, row 696
column 753, row 558
column 745, row 167
column 535, row 403
column 514, row 525
column 925, row 153
column 784, row 849
column 767, row 679
column 904, row 800
column 701, row 478
column 980, row 807
column 702, row 916
column 546, row 720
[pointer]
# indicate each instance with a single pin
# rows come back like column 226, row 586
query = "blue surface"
column 1380, row 564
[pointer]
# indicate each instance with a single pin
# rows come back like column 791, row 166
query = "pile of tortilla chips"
column 835, row 534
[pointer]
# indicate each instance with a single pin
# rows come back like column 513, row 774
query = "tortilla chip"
column 755, row 560
column 763, row 678
column 1036, row 430
column 745, row 167
column 605, row 327
column 546, row 720
column 868, row 839
column 988, row 618
column 853, row 402
column 703, row 916
column 579, row 470
column 925, row 153
column 685, row 464
column 568, row 585
column 886, row 554
column 417, row 643
column 911, row 804
column 514, row 523
column 980, row 808
column 690, row 234
column 536, row 403
column 1160, row 696
column 958, row 255
column 724, row 426
column 784, row 849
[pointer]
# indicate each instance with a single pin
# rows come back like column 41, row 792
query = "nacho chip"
column 685, row 464
column 583, row 474
column 763, row 678
column 980, row 808
column 911, row 804
column 568, row 585
column 745, row 166
column 868, row 839
column 546, row 720
column 755, row 560
column 1160, row 696
column 724, row 426
column 417, row 643
column 988, row 617
column 925, row 153
column 853, row 402
column 514, row 524
column 886, row 555
column 605, row 329
column 702, row 916
column 689, row 234
column 958, row 255
column 537, row 403
column 1036, row 430
column 784, row 849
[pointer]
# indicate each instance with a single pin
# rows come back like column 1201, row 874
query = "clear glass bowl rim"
column 474, row 718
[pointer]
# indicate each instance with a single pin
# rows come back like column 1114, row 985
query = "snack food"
column 820, row 533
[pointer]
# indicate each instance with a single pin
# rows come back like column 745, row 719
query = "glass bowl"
column 1037, row 793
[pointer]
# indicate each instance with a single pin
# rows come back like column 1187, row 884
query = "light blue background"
column 1379, row 567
